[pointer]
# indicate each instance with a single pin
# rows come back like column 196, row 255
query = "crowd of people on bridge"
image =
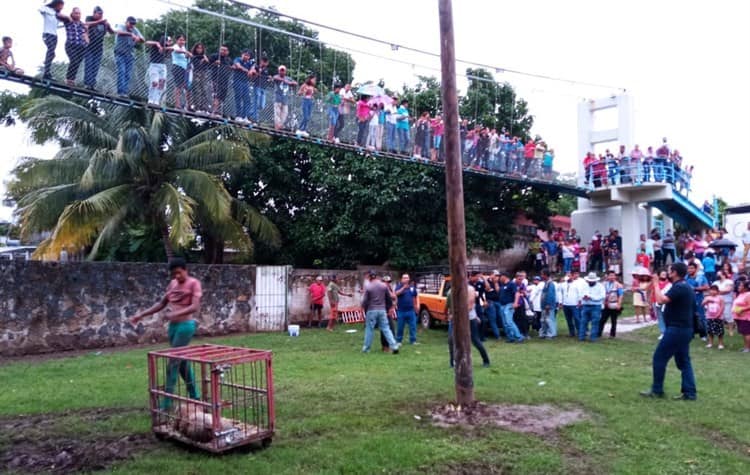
column 201, row 82
column 636, row 167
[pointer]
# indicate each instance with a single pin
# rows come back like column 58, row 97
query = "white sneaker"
column 721, row 347
column 704, row 339
column 709, row 345
column 336, row 140
column 661, row 336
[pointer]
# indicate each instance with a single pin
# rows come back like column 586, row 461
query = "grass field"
column 340, row 411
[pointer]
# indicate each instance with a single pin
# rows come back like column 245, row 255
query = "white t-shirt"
column 50, row 21
column 346, row 106
column 535, row 295
column 746, row 238
column 391, row 115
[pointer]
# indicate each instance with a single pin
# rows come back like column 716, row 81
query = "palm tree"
column 119, row 166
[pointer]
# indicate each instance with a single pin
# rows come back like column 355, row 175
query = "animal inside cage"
column 213, row 397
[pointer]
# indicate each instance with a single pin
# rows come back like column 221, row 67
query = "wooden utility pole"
column 454, row 190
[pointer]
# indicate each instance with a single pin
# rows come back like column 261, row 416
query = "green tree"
column 123, row 168
column 495, row 105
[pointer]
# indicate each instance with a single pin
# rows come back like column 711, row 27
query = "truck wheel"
column 425, row 318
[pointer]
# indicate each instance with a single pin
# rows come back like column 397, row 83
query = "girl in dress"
column 641, row 296
column 713, row 304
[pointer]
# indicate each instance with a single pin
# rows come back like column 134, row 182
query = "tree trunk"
column 213, row 249
column 167, row 243
column 454, row 190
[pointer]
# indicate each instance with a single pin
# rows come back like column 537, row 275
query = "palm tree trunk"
column 213, row 249
column 167, row 243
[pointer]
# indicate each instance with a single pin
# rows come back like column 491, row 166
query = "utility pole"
column 454, row 190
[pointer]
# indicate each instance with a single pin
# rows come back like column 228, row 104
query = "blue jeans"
column 549, row 324
column 511, row 330
column 362, row 129
column 93, row 60
column 307, row 107
column 406, row 317
column 572, row 315
column 659, row 169
column 403, row 140
column 676, row 342
column 567, row 264
column 660, row 320
column 390, row 137
column 379, row 318
column 259, row 102
column 241, row 97
column 590, row 314
column 494, row 313
column 124, row 72
column 474, row 325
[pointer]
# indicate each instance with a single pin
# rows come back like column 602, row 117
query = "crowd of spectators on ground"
column 636, row 167
column 201, row 82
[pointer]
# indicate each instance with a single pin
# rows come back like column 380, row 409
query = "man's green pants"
column 180, row 334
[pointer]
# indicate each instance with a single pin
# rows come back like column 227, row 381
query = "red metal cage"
column 210, row 396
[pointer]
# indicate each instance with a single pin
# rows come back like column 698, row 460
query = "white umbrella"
column 371, row 90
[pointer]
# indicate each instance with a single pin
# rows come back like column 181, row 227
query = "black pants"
column 671, row 253
column 658, row 259
column 521, row 320
column 340, row 123
column 363, row 129
column 474, row 341
column 609, row 313
column 383, row 339
column 50, row 41
column 75, row 58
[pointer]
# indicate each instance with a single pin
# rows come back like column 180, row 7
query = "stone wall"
column 49, row 306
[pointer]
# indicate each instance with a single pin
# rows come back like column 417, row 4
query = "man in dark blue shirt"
column 476, row 281
column 678, row 318
column 699, row 283
column 493, row 309
column 407, row 301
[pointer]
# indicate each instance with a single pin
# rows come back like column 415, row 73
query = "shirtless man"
column 7, row 61
column 182, row 300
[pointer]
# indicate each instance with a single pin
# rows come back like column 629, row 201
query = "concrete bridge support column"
column 629, row 230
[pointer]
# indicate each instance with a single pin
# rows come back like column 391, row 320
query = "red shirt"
column 643, row 260
column 317, row 292
column 529, row 149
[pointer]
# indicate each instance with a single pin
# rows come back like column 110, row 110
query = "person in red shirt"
column 528, row 155
column 317, row 293
column 588, row 161
column 643, row 259
column 182, row 301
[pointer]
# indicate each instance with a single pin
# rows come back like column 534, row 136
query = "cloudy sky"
column 686, row 64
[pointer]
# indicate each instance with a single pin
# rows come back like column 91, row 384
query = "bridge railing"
column 614, row 172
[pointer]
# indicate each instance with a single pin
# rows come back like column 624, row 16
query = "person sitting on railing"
column 613, row 167
column 648, row 164
column 7, row 61
column 625, row 167
column 660, row 162
column 636, row 159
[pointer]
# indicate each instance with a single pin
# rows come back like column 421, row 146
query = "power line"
column 396, row 46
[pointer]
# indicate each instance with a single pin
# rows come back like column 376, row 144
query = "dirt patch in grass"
column 55, row 442
column 473, row 468
column 538, row 420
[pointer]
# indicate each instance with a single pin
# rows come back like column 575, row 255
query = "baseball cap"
column 372, row 273
column 98, row 10
column 131, row 19
column 536, row 277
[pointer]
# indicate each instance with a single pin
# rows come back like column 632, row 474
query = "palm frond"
column 206, row 154
column 259, row 226
column 234, row 235
column 40, row 210
column 224, row 132
column 106, row 168
column 83, row 219
column 36, row 173
column 178, row 209
column 72, row 121
column 206, row 190
column 108, row 231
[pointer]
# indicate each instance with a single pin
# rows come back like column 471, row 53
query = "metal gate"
column 272, row 296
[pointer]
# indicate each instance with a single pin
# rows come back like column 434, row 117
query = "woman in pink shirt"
column 741, row 312
column 363, row 121
column 437, row 127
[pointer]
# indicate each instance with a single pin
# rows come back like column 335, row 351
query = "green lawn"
column 339, row 411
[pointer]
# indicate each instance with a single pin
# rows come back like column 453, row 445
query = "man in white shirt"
column 592, row 299
column 51, row 13
column 345, row 109
column 571, row 290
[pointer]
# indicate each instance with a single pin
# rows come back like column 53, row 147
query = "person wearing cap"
column 98, row 28
column 334, row 291
column 374, row 303
column 52, row 15
column 317, row 292
column 282, row 84
column 182, row 301
column 592, row 299
column 242, row 67
column 127, row 37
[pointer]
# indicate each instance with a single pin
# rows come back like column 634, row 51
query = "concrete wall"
column 299, row 307
column 48, row 306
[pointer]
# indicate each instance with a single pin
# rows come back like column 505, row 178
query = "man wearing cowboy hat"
column 591, row 307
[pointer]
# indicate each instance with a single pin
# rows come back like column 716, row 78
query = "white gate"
column 272, row 296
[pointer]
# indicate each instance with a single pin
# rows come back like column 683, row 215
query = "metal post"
column 454, row 190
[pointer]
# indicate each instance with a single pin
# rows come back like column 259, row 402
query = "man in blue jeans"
column 373, row 303
column 508, row 291
column 679, row 308
column 407, row 301
column 127, row 37
column 182, row 301
column 571, row 290
column 592, row 299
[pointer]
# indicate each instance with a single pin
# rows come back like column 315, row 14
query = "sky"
column 685, row 64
